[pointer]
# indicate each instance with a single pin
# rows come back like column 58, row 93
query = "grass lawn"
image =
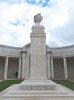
column 7, row 83
column 66, row 83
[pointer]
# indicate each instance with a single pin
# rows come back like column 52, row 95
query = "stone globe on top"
column 38, row 18
column 38, row 28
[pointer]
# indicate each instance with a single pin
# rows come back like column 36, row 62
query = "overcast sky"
column 16, row 20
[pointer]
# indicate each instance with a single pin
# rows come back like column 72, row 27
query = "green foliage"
column 66, row 83
column 7, row 83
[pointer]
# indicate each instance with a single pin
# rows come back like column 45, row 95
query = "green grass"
column 7, row 83
column 66, row 83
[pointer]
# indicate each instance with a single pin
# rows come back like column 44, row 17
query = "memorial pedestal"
column 37, row 90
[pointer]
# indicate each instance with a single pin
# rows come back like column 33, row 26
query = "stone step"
column 38, row 85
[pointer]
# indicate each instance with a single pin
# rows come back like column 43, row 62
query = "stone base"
column 38, row 85
column 15, row 92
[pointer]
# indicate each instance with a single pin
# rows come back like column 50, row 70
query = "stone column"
column 27, row 67
column 6, row 68
column 52, row 68
column 65, row 68
column 23, row 64
column 19, row 69
column 48, row 69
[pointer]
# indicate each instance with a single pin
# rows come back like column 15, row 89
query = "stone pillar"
column 38, row 53
column 19, row 69
column 23, row 64
column 52, row 68
column 27, row 67
column 6, row 68
column 65, row 68
column 48, row 63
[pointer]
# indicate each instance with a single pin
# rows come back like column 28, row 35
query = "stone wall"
column 2, row 66
column 70, row 66
column 58, row 68
column 13, row 68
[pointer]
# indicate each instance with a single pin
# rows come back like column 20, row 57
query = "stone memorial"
column 37, row 87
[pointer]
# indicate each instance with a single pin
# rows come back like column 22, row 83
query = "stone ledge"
column 38, row 85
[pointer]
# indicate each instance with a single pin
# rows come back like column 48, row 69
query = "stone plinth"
column 38, row 53
column 38, row 85
column 22, row 92
column 37, row 29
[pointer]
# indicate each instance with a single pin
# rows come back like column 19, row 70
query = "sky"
column 16, row 21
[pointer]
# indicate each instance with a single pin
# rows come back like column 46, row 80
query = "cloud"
column 16, row 20
column 5, row 36
column 39, row 2
column 63, row 32
column 33, row 2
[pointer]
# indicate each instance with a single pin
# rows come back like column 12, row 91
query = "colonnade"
column 22, row 66
column 50, row 67
column 6, row 67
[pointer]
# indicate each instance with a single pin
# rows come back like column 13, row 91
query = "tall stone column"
column 27, row 67
column 52, row 68
column 23, row 64
column 48, row 65
column 38, row 51
column 6, row 68
column 65, row 68
column 19, row 69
